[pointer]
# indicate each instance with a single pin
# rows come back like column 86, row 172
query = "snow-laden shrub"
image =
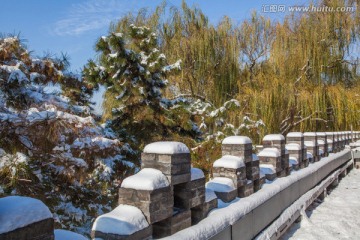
column 50, row 146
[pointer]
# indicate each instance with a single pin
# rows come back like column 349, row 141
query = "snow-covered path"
column 338, row 217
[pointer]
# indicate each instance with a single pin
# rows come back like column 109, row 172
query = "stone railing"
column 169, row 198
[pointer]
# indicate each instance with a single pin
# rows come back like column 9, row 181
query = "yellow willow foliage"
column 300, row 74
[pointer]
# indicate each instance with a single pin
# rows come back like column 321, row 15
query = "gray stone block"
column 297, row 139
column 42, row 230
column 275, row 161
column 180, row 178
column 145, row 234
column 156, row 204
column 285, row 161
column 253, row 170
column 176, row 167
column 281, row 173
column 227, row 196
column 233, row 150
column 258, row 183
column 189, row 195
column 246, row 190
column 238, row 176
column 271, row 176
column 179, row 220
column 200, row 212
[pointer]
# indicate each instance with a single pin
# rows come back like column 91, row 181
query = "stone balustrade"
column 167, row 195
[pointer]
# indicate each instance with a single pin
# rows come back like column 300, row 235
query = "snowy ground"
column 335, row 218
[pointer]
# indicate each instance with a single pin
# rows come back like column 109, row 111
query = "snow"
column 309, row 143
column 310, row 134
column 219, row 219
column 269, row 152
column 267, row 169
column 274, row 137
column 11, row 161
column 237, row 140
column 67, row 235
column 123, row 220
column 222, row 204
column 321, row 142
column 293, row 146
column 99, row 142
column 322, row 134
column 255, row 157
column 15, row 74
column 209, row 195
column 329, row 133
column 295, row 134
column 309, row 155
column 228, row 161
column 146, row 179
column 335, row 218
column 196, row 173
column 166, row 148
column 221, row 184
column 293, row 161
column 17, row 212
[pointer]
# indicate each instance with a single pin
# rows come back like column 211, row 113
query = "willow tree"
column 255, row 38
column 316, row 48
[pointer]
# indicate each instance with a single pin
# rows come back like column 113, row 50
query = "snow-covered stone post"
column 330, row 141
column 191, row 194
column 270, row 163
column 344, row 135
column 241, row 146
column 354, row 136
column 25, row 218
column 231, row 167
column 125, row 222
column 200, row 212
column 278, row 141
column 351, row 138
column 256, row 164
column 224, row 188
column 323, row 144
column 310, row 140
column 295, row 155
column 348, row 137
column 336, row 143
column 297, row 138
column 343, row 140
column 171, row 158
column 174, row 161
column 150, row 191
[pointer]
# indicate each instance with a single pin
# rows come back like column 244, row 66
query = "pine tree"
column 135, row 74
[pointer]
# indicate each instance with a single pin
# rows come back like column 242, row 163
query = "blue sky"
column 72, row 27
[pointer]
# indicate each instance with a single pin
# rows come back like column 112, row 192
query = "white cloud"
column 91, row 15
